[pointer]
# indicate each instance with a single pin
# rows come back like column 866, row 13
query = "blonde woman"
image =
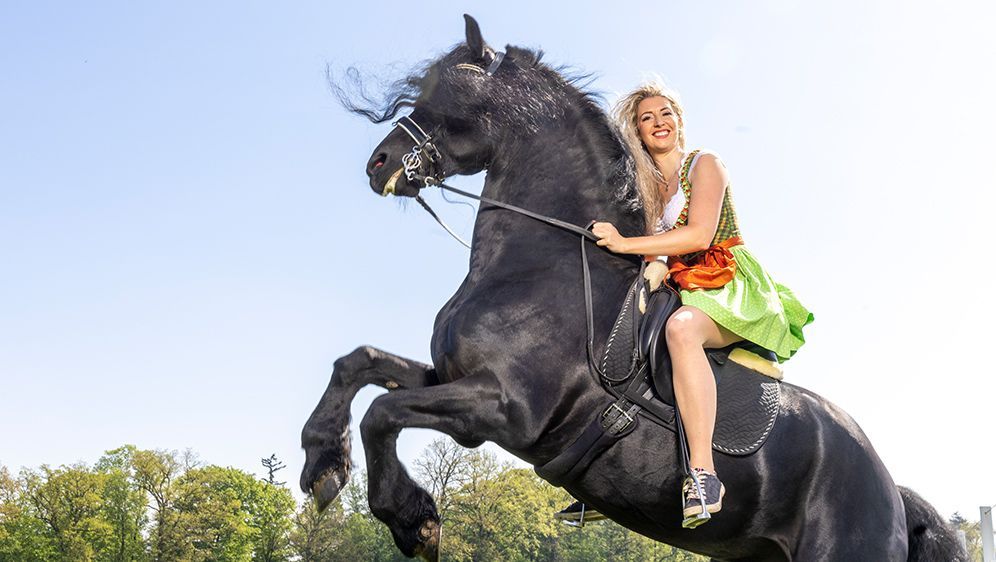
column 726, row 295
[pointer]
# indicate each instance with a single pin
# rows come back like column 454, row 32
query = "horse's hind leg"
column 325, row 437
column 471, row 409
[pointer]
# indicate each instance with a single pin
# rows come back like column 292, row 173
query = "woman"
column 726, row 296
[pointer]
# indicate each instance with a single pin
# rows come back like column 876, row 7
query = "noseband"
column 423, row 153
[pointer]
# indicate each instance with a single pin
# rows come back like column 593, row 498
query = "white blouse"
column 677, row 202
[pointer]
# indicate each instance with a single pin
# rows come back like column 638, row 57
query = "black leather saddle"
column 636, row 371
column 747, row 401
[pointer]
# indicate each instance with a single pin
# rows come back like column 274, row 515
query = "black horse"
column 508, row 356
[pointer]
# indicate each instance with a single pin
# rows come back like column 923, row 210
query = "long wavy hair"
column 648, row 177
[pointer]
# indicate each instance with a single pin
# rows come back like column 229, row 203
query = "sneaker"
column 702, row 495
column 577, row 513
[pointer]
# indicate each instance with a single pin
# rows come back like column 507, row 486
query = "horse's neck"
column 567, row 173
column 572, row 172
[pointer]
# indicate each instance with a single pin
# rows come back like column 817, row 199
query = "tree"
column 155, row 473
column 125, row 505
column 270, row 508
column 364, row 537
column 22, row 536
column 272, row 465
column 68, row 501
column 229, row 515
column 475, row 510
column 443, row 468
column 316, row 537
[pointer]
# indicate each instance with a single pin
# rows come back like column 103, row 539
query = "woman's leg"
column 689, row 331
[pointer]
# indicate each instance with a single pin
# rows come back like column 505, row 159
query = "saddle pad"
column 747, row 401
column 618, row 358
column 747, row 406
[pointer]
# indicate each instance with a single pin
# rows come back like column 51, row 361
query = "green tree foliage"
column 228, row 515
column 363, row 536
column 23, row 537
column 125, row 506
column 492, row 511
column 69, row 501
column 155, row 474
column 137, row 505
column 153, row 505
column 317, row 537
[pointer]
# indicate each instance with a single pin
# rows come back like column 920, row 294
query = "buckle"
column 616, row 419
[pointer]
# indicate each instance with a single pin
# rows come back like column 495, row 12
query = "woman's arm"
column 710, row 180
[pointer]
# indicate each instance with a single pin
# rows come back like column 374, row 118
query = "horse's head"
column 450, row 129
column 535, row 130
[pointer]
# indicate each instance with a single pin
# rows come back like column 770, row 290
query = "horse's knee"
column 355, row 360
column 682, row 331
column 377, row 420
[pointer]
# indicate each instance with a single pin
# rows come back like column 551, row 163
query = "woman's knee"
column 685, row 329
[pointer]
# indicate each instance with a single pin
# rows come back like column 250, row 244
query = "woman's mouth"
column 662, row 134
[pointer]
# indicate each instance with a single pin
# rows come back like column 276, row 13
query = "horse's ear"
column 474, row 39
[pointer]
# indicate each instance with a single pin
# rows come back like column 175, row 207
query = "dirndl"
column 753, row 306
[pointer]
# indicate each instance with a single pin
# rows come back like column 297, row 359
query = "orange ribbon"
column 709, row 269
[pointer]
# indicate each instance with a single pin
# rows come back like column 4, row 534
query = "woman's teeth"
column 662, row 134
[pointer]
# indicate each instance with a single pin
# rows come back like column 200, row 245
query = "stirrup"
column 577, row 514
column 696, row 520
column 580, row 522
column 703, row 516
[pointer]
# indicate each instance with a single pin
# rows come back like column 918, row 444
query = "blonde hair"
column 648, row 177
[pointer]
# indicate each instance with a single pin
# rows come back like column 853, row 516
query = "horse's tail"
column 930, row 537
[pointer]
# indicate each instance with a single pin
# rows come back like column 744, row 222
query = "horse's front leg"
column 325, row 437
column 469, row 410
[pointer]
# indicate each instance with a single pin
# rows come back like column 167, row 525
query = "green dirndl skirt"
column 754, row 307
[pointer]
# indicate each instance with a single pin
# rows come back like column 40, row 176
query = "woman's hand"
column 609, row 237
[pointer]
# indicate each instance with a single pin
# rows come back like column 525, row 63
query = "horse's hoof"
column 328, row 486
column 430, row 535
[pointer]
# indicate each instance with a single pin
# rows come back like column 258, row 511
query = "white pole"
column 986, row 524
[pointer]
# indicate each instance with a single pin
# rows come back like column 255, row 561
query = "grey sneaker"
column 702, row 494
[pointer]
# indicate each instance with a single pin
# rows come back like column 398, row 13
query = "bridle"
column 423, row 164
column 424, row 153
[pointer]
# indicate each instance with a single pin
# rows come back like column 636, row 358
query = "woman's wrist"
column 628, row 245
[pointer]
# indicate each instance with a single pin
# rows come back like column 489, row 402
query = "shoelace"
column 689, row 488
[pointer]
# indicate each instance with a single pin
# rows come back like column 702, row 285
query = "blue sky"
column 187, row 240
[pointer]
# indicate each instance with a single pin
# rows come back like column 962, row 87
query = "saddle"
column 636, row 370
column 747, row 387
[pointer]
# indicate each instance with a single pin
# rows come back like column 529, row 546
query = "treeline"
column 152, row 505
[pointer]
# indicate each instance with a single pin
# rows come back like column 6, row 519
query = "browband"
column 492, row 68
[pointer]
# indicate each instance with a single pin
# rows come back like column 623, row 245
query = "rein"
column 584, row 233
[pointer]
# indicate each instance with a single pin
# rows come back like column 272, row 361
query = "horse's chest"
column 486, row 333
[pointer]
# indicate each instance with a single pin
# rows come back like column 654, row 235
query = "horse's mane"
column 527, row 100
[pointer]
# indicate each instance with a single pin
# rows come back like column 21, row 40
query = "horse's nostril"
column 377, row 163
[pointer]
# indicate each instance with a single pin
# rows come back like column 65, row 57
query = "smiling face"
column 658, row 125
